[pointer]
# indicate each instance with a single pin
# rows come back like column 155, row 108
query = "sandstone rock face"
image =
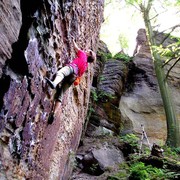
column 142, row 103
column 113, row 77
column 11, row 19
column 124, row 96
column 110, row 85
column 41, row 32
column 97, row 156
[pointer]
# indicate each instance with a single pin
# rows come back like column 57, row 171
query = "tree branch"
column 172, row 67
column 132, row 4
column 172, row 29
column 167, row 62
column 149, row 5
column 157, row 14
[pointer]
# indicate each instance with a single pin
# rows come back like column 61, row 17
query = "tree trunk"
column 173, row 127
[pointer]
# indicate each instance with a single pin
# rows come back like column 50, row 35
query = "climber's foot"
column 51, row 84
column 51, row 118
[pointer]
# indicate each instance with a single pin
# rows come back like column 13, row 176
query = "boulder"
column 98, row 158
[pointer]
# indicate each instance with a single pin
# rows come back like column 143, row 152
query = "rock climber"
column 68, row 75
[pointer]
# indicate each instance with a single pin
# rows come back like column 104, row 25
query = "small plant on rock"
column 129, row 145
column 123, row 57
column 94, row 95
column 131, row 139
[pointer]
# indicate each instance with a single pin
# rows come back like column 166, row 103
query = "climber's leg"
column 58, row 101
column 62, row 90
column 63, row 72
column 59, row 96
column 56, row 106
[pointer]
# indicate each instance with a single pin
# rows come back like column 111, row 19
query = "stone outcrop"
column 124, row 97
column 102, row 158
column 98, row 156
column 35, row 41
column 142, row 103
column 11, row 20
column 108, row 85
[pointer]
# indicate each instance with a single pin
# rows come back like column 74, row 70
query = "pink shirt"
column 80, row 62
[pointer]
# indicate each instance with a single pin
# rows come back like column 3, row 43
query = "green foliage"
column 102, row 95
column 93, row 168
column 137, row 170
column 94, row 95
column 91, row 110
column 170, row 51
column 131, row 139
column 134, row 157
column 123, row 57
column 108, row 55
column 141, row 172
column 176, row 150
column 123, row 41
column 99, row 95
column 124, row 166
column 146, row 151
column 104, row 56
column 101, row 78
column 171, row 152
column 173, row 3
column 163, row 51
column 123, row 172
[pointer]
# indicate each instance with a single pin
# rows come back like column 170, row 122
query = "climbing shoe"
column 51, row 118
column 51, row 84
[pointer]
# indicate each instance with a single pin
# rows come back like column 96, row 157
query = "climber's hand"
column 73, row 38
column 76, row 47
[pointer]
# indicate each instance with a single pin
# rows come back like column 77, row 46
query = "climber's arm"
column 76, row 47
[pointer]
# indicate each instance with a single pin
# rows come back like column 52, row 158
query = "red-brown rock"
column 41, row 32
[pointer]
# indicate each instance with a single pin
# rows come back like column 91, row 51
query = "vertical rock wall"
column 35, row 41
column 142, row 104
column 10, row 18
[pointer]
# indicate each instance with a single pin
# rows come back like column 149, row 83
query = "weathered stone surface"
column 10, row 19
column 142, row 48
column 113, row 77
column 98, row 131
column 101, row 58
column 30, row 148
column 108, row 157
column 108, row 85
column 142, row 103
column 98, row 158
